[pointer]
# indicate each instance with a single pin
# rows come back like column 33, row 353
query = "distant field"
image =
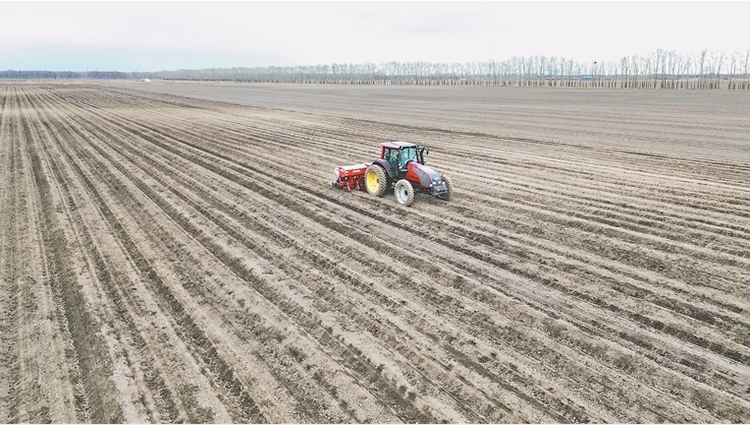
column 694, row 124
column 175, row 252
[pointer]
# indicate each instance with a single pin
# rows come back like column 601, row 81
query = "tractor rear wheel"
column 448, row 189
column 404, row 192
column 376, row 181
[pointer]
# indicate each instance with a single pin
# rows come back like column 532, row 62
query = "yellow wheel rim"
column 372, row 181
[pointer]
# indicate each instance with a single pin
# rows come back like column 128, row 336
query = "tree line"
column 71, row 75
column 664, row 69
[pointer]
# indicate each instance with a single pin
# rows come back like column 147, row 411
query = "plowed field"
column 176, row 253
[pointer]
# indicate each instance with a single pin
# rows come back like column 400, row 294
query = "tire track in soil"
column 29, row 404
column 632, row 287
column 82, row 235
column 267, row 142
column 161, row 399
column 186, row 398
column 474, row 245
column 98, row 400
column 622, row 213
column 39, row 385
column 523, row 113
column 639, row 220
column 331, row 265
column 616, row 224
column 203, row 348
column 315, row 260
column 9, row 373
column 212, row 247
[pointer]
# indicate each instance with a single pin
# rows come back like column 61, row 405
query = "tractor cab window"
column 391, row 155
column 408, row 154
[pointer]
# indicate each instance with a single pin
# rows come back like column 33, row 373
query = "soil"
column 176, row 253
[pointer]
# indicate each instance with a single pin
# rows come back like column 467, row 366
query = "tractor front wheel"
column 376, row 181
column 404, row 192
column 448, row 189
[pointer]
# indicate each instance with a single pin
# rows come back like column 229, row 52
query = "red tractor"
column 401, row 166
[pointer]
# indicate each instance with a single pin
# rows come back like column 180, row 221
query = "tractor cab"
column 399, row 154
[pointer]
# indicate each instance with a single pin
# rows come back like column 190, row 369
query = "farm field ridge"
column 175, row 252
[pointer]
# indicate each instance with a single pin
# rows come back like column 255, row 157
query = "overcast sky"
column 154, row 36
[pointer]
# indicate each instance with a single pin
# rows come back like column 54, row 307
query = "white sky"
column 154, row 36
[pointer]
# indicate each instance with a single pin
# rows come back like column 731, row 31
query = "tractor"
column 401, row 167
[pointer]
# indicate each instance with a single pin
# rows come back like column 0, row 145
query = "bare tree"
column 701, row 74
column 732, row 69
column 626, row 72
column 646, row 67
column 719, row 64
column 686, row 67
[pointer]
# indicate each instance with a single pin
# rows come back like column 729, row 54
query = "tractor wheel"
column 449, row 187
column 404, row 192
column 376, row 181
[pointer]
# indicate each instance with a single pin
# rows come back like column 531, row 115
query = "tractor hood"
column 426, row 176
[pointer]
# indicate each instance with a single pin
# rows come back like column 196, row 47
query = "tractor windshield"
column 407, row 154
